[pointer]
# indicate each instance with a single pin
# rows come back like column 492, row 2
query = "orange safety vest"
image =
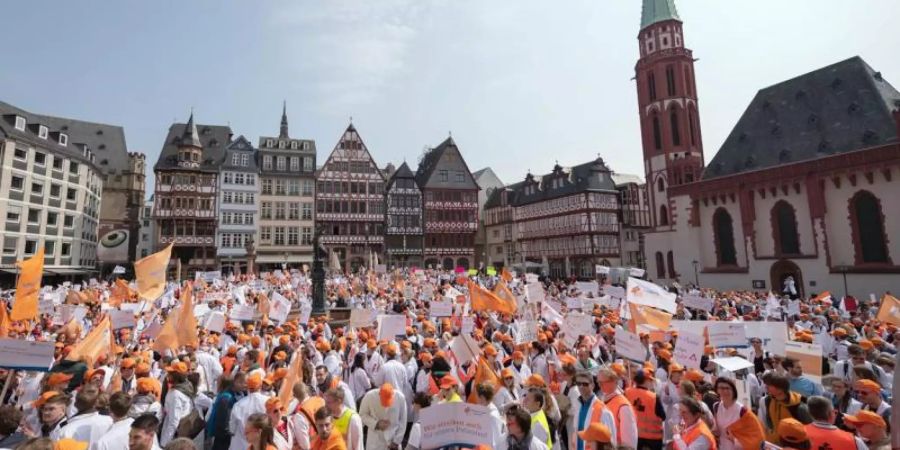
column 614, row 404
column 598, row 408
column 700, row 429
column 308, row 408
column 649, row 425
column 835, row 438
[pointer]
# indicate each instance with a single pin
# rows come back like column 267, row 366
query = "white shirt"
column 87, row 427
column 116, row 438
column 354, row 439
column 371, row 411
column 253, row 403
column 725, row 416
column 359, row 383
column 211, row 369
column 300, row 426
column 177, row 406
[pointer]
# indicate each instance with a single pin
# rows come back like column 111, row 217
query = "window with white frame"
column 267, row 162
column 238, row 178
column 295, row 164
column 13, row 213
column 265, row 234
column 250, row 198
column 266, row 187
column 307, row 188
column 226, row 178
column 30, row 247
column 40, row 159
column 307, row 211
column 293, row 235
column 280, row 163
column 16, row 183
column 251, row 179
column 279, row 236
column 294, row 187
column 306, row 236
column 245, row 160
column 43, row 132
column 235, row 159
column 281, row 144
column 307, row 161
column 63, row 139
column 226, row 240
column 20, row 123
column 20, row 153
column 294, row 211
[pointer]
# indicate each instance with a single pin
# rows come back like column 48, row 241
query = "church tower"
column 667, row 101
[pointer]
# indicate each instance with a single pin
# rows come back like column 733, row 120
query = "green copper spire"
column 656, row 11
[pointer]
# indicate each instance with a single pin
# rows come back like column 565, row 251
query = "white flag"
column 645, row 293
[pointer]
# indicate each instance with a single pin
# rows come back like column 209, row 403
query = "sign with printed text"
column 689, row 349
column 362, row 317
column 242, row 312
column 215, row 322
column 305, row 312
column 465, row 348
column 390, row 325
column 468, row 325
column 534, row 292
column 575, row 325
column 19, row 354
column 614, row 291
column 121, row 319
column 279, row 308
column 527, row 332
column 645, row 293
column 456, row 425
column 443, row 308
column 697, row 302
column 628, row 346
column 727, row 334
column 588, row 287
column 809, row 356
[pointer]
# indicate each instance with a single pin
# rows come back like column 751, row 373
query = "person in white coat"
column 484, row 395
column 179, row 400
column 346, row 420
column 87, row 425
column 253, row 403
column 394, row 372
column 383, row 411
column 116, row 438
column 209, row 366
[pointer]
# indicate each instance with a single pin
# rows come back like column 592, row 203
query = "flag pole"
column 7, row 383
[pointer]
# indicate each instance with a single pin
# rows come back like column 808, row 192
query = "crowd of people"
column 177, row 379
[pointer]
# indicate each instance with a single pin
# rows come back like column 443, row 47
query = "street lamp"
column 843, row 271
column 696, row 273
column 318, row 276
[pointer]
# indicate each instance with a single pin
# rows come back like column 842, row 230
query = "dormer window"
column 281, row 144
column 270, row 143
column 20, row 123
column 43, row 132
column 63, row 139
column 293, row 145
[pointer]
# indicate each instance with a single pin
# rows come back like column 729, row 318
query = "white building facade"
column 238, row 212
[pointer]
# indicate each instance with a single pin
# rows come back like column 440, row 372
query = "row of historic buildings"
column 55, row 171
column 227, row 204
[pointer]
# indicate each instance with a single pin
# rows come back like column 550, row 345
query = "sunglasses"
column 584, row 383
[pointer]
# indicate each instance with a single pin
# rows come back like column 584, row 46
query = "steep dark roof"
column 495, row 196
column 240, row 144
column 403, row 172
column 106, row 142
column 839, row 108
column 590, row 176
column 445, row 156
column 213, row 139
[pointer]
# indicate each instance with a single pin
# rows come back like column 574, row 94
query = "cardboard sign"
column 215, row 322
column 305, row 312
column 468, row 325
column 602, row 270
column 121, row 319
column 456, row 425
column 362, row 317
column 19, row 354
column 628, row 346
column 464, row 348
column 727, row 334
column 527, row 332
column 534, row 292
column 810, row 357
column 697, row 302
column 442, row 308
column 390, row 326
column 689, row 349
column 242, row 312
column 279, row 308
column 201, row 310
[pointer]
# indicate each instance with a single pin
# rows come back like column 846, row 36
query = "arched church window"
column 868, row 228
column 660, row 266
column 670, row 261
column 660, row 185
column 663, row 215
column 676, row 133
column 657, row 135
column 784, row 220
column 723, row 235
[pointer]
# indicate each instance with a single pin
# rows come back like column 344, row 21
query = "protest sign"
column 468, row 325
column 47, row 304
column 602, row 270
column 809, row 356
column 689, row 349
column 153, row 330
column 279, row 308
column 464, row 348
column 443, row 308
column 609, row 302
column 362, row 317
column 628, row 346
column 614, row 291
column 201, row 310
column 574, row 303
column 727, row 334
column 732, row 363
column 635, row 272
column 242, row 312
column 121, row 319
column 390, row 326
column 588, row 287
column 793, row 307
column 305, row 311
column 645, row 293
column 527, row 332
column 697, row 302
column 577, row 324
column 455, row 424
column 534, row 292
column 773, row 335
column 550, row 314
column 19, row 354
column 408, row 292
column 215, row 322
column 380, row 268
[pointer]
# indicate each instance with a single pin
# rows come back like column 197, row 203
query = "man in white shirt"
column 116, row 438
column 346, row 420
column 179, row 400
column 253, row 403
column 383, row 411
column 142, row 435
column 87, row 425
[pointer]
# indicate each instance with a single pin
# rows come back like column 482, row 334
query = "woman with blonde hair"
column 259, row 432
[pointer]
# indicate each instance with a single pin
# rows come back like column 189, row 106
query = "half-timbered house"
column 403, row 237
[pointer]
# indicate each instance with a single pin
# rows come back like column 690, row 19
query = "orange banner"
column 28, row 288
column 484, row 300
column 889, row 312
column 96, row 344
column 151, row 273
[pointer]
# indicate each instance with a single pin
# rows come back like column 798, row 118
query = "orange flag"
column 889, row 311
column 483, row 374
column 505, row 275
column 119, row 292
column 295, row 374
column 97, row 343
column 151, row 273
column 28, row 288
column 187, row 321
column 643, row 315
column 748, row 430
column 501, row 290
column 484, row 300
column 4, row 320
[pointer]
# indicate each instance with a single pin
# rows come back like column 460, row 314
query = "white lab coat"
column 394, row 372
column 177, row 407
column 211, row 370
column 87, row 427
column 371, row 411
column 253, row 403
column 116, row 438
column 300, row 426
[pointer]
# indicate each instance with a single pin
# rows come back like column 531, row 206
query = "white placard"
column 527, row 332
column 442, row 308
column 391, row 325
column 19, row 354
column 614, row 291
column 201, row 310
column 152, row 330
column 121, row 319
column 793, row 307
column 305, row 312
column 47, row 305
column 380, row 268
column 534, row 292
column 362, row 317
column 602, row 270
column 810, row 357
column 408, row 292
column 774, row 335
column 574, row 303
column 587, row 287
column 645, row 293
column 575, row 325
column 635, row 272
column 455, row 424
column 464, row 348
column 731, row 363
column 697, row 302
column 468, row 325
column 279, row 308
column 531, row 278
column 242, row 312
column 689, row 349
column 215, row 322
column 550, row 314
column 609, row 302
column 118, row 270
column 629, row 346
column 727, row 334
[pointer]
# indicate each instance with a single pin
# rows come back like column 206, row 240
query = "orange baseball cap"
column 59, row 378
column 863, row 417
column 507, row 373
column 596, row 432
column 386, row 394
column 43, row 399
column 867, row 385
column 694, row 375
column 792, row 431
column 535, row 380
column 178, row 367
column 69, row 444
column 448, row 381
column 254, row 381
column 128, row 363
column 675, row 367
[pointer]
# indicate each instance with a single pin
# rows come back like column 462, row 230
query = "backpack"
column 190, row 425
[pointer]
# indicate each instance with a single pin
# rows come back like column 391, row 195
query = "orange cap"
column 566, row 359
column 280, row 355
column 596, row 432
column 792, row 431
column 59, row 378
column 535, row 380
column 507, row 373
column 675, row 367
column 664, row 354
column 867, row 385
column 273, row 404
column 128, row 363
column 518, row 355
column 178, row 367
column 425, row 357
column 693, row 375
column 148, row 385
column 490, row 351
column 69, row 444
column 869, row 417
column 371, row 344
column 448, row 381
column 254, row 381
column 866, row 344
column 386, row 394
column 43, row 399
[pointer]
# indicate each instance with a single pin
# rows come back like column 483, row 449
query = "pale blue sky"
column 520, row 83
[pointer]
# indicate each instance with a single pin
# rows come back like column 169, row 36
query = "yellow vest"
column 343, row 423
column 455, row 398
column 541, row 418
